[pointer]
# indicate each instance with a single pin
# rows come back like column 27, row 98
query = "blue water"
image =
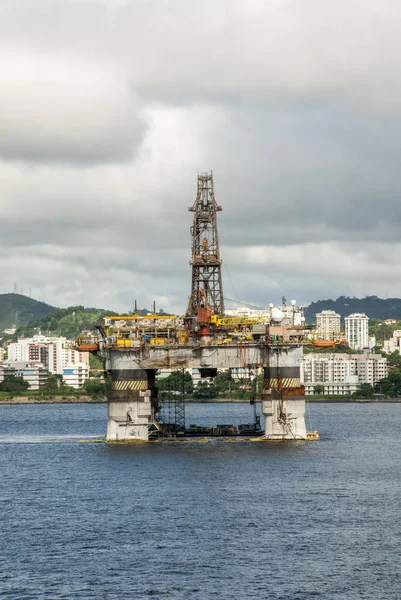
column 82, row 520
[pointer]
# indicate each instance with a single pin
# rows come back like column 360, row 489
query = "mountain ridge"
column 373, row 306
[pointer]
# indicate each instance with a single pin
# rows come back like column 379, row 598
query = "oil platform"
column 134, row 347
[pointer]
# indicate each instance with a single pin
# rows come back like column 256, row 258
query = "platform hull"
column 132, row 401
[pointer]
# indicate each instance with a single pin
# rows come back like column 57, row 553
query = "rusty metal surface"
column 293, row 392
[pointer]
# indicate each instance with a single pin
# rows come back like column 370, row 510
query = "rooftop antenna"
column 293, row 304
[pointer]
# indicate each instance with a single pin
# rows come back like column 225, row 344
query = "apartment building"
column 32, row 372
column 75, row 375
column 394, row 343
column 357, row 331
column 341, row 373
column 55, row 353
column 328, row 325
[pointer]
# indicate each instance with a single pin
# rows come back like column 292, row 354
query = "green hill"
column 68, row 322
column 372, row 306
column 19, row 310
column 31, row 316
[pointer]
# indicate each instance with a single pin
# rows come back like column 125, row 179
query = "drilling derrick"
column 207, row 289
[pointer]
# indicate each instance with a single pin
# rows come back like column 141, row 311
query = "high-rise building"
column 357, row 331
column 328, row 325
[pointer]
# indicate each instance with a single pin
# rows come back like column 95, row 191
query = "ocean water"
column 292, row 521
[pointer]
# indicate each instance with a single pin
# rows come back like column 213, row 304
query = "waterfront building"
column 328, row 325
column 357, row 331
column 76, row 374
column 341, row 373
column 55, row 353
column 34, row 373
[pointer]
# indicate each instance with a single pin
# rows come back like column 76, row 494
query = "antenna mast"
column 207, row 288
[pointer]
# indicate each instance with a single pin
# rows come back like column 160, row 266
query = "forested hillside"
column 68, row 322
column 31, row 316
column 19, row 310
column 372, row 306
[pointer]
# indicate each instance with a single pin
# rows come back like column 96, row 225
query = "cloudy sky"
column 110, row 109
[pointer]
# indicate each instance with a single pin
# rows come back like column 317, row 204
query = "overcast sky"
column 110, row 109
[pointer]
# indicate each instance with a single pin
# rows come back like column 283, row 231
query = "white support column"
column 283, row 403
column 284, row 419
column 131, row 408
column 130, row 419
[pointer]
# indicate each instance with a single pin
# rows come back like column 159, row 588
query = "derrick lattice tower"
column 207, row 288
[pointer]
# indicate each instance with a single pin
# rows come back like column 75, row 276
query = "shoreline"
column 52, row 400
column 103, row 400
column 354, row 400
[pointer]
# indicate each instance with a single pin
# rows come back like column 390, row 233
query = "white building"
column 55, row 353
column 328, row 325
column 244, row 311
column 76, row 374
column 32, row 372
column 293, row 314
column 341, row 373
column 393, row 344
column 357, row 331
column 10, row 331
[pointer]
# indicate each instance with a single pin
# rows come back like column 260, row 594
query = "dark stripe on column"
column 129, row 375
column 281, row 372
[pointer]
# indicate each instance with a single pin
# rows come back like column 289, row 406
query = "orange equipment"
column 323, row 344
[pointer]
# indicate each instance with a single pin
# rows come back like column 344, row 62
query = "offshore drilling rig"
column 134, row 347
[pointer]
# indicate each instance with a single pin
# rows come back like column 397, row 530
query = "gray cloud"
column 264, row 50
column 110, row 109
column 57, row 108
